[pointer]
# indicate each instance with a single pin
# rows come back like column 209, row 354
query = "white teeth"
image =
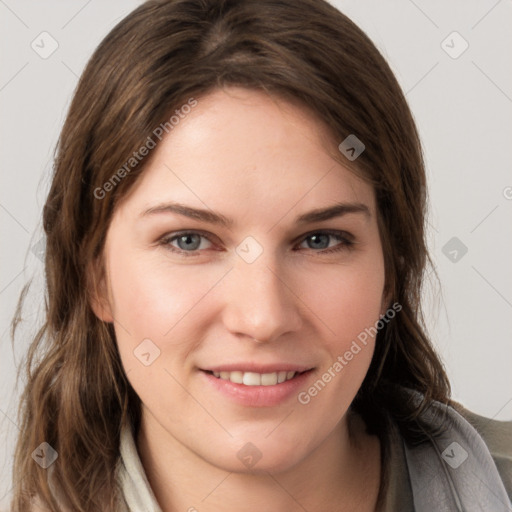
column 252, row 379
column 236, row 377
column 269, row 379
column 255, row 379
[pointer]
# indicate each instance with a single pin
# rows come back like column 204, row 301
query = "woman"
column 235, row 252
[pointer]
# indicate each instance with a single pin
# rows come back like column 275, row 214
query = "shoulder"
column 497, row 435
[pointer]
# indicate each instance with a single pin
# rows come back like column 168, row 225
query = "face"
column 240, row 271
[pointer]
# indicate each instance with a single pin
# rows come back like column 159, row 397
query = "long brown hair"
column 162, row 54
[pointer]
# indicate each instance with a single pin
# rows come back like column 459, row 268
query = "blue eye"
column 190, row 243
column 321, row 240
column 187, row 242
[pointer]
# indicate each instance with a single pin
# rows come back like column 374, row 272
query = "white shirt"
column 135, row 487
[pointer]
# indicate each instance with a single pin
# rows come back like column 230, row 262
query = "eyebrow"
column 211, row 217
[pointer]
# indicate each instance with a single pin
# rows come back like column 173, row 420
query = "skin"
column 262, row 162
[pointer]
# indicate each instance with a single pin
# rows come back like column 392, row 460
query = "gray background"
column 463, row 109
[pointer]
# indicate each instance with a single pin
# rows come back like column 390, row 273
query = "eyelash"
column 345, row 241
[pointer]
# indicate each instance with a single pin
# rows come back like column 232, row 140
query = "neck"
column 341, row 474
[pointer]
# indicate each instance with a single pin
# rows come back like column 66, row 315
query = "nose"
column 261, row 303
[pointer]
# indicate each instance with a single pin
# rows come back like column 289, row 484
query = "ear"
column 98, row 291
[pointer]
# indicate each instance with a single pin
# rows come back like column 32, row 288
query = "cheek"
column 150, row 305
column 158, row 309
column 149, row 296
column 349, row 308
column 349, row 300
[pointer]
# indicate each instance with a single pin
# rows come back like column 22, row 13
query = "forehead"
column 241, row 151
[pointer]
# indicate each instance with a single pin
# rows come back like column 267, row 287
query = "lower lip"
column 258, row 396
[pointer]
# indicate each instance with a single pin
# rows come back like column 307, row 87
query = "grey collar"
column 454, row 470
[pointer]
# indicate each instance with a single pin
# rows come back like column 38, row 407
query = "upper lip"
column 258, row 368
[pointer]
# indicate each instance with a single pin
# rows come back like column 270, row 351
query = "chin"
column 259, row 455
